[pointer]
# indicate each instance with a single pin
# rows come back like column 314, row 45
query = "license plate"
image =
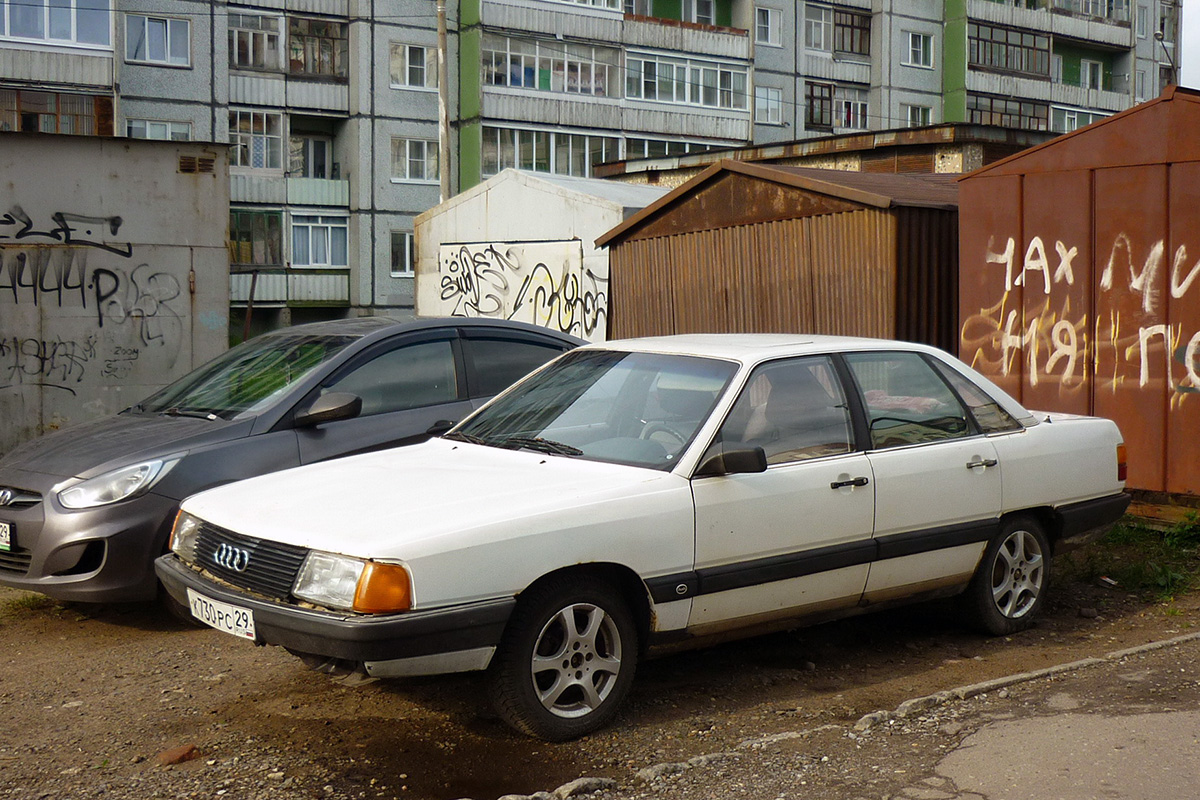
column 222, row 616
column 5, row 536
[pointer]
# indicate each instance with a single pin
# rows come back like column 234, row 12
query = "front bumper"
column 98, row 555
column 411, row 635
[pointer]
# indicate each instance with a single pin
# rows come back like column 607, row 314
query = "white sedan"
column 651, row 492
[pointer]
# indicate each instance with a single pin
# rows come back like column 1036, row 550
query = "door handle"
column 987, row 462
column 860, row 481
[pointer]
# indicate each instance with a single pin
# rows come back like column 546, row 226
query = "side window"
column 907, row 403
column 793, row 409
column 411, row 376
column 499, row 363
column 990, row 415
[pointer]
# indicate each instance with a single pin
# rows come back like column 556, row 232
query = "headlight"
column 184, row 536
column 353, row 584
column 120, row 484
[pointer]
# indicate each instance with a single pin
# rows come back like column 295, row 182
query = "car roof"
column 378, row 327
column 754, row 347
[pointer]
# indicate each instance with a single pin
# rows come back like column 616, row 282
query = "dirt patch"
column 90, row 696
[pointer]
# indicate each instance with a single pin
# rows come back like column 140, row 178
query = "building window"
column 639, row 8
column 319, row 241
column 852, row 33
column 850, row 108
column 49, row 112
column 78, row 22
column 1008, row 50
column 661, row 148
column 1065, row 120
column 685, row 81
column 317, row 47
column 1091, row 74
column 256, row 238
column 920, row 50
column 1007, row 112
column 916, row 116
column 818, row 27
column 766, row 26
column 544, row 151
column 550, row 66
column 698, row 11
column 1056, row 68
column 310, row 157
column 154, row 129
column 257, row 139
column 1141, row 86
column 768, row 105
column 157, row 40
column 1167, row 21
column 403, row 257
column 415, row 160
column 1143, row 21
column 818, row 105
column 253, row 41
column 414, row 66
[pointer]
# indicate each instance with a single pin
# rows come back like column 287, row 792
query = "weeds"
column 25, row 603
column 1158, row 565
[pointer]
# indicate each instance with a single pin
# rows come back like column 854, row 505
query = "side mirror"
column 440, row 427
column 330, row 407
column 732, row 458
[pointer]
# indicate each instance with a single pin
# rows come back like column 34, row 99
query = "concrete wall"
column 521, row 247
column 114, row 273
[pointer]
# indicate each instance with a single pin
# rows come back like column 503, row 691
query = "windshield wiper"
column 542, row 445
column 459, row 436
column 187, row 412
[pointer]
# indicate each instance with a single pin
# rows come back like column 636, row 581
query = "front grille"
column 13, row 497
column 270, row 568
column 16, row 560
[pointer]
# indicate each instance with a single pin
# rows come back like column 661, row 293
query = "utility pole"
column 443, row 105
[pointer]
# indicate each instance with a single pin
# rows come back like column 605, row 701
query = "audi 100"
column 652, row 493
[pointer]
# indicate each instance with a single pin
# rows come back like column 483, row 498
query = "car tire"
column 1009, row 587
column 566, row 660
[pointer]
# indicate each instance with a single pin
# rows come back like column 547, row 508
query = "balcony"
column 278, row 190
column 282, row 286
column 1109, row 96
column 1065, row 18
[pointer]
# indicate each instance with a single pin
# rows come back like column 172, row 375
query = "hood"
column 113, row 441
column 413, row 501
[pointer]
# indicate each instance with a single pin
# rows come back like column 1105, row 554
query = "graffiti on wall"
column 1051, row 339
column 65, row 268
column 544, row 283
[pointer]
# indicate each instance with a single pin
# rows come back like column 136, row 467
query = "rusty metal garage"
column 748, row 247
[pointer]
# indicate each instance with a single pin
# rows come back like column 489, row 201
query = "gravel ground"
column 93, row 699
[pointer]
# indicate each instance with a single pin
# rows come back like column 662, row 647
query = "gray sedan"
column 85, row 511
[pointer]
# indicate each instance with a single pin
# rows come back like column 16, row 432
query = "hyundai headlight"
column 353, row 584
column 117, row 485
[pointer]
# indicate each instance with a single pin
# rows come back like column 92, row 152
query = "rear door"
column 796, row 538
column 937, row 476
column 496, row 359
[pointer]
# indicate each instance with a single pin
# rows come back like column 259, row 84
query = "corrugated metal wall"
column 832, row 274
column 1079, row 287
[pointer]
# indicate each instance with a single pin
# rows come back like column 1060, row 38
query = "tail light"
column 1122, row 464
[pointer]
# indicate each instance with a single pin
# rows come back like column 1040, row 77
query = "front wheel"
column 566, row 661
column 1009, row 587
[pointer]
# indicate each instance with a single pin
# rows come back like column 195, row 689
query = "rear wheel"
column 1009, row 587
column 566, row 661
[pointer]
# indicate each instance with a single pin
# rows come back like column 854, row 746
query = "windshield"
column 628, row 408
column 248, row 377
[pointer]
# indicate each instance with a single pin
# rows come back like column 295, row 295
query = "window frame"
column 50, row 22
column 339, row 49
column 272, row 225
column 408, row 244
column 326, row 225
column 918, row 51
column 771, row 98
column 818, row 105
column 169, row 24
column 236, row 137
column 428, row 158
column 818, row 20
column 703, row 83
column 851, row 33
column 170, row 129
column 857, row 104
column 308, row 154
column 428, row 66
column 768, row 32
column 923, row 112
column 252, row 35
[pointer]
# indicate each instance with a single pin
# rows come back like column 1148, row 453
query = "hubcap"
column 576, row 660
column 1017, row 574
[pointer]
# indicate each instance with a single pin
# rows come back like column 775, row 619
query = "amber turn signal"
column 1122, row 465
column 383, row 588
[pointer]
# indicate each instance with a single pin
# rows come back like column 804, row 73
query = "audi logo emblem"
column 6, row 496
column 232, row 558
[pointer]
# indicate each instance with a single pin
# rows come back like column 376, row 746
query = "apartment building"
column 825, row 68
column 330, row 107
